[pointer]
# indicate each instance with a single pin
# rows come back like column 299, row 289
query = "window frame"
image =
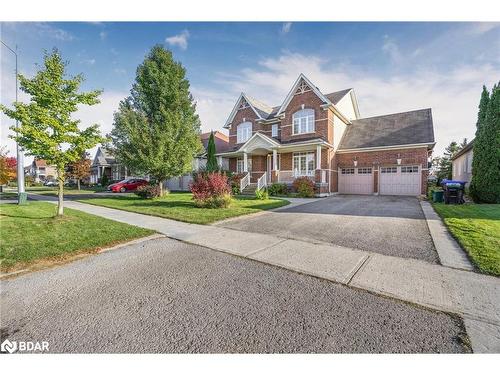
column 303, row 127
column 309, row 157
column 240, row 163
column 344, row 171
column 244, row 126
column 365, row 170
column 404, row 169
column 274, row 130
column 387, row 169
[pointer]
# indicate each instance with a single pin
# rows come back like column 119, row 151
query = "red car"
column 129, row 184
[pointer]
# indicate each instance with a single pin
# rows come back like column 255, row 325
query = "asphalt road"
column 387, row 225
column 167, row 296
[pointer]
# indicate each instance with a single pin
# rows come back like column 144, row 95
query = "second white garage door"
column 356, row 181
column 400, row 180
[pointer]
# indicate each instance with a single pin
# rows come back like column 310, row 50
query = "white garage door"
column 400, row 180
column 356, row 181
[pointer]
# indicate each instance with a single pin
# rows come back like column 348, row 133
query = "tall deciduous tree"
column 156, row 129
column 8, row 166
column 485, row 184
column 47, row 128
column 442, row 164
column 211, row 159
column 80, row 169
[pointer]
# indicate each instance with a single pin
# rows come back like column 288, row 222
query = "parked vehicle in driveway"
column 129, row 184
column 50, row 183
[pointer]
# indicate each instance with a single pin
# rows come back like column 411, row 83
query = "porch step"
column 249, row 189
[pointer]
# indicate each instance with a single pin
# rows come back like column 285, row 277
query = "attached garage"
column 356, row 180
column 400, row 180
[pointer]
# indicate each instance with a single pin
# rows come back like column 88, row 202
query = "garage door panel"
column 400, row 180
column 356, row 181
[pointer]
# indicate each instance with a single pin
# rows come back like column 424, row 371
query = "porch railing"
column 290, row 176
column 262, row 181
column 244, row 182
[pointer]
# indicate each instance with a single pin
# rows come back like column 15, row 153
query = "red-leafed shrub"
column 211, row 190
column 235, row 182
column 304, row 187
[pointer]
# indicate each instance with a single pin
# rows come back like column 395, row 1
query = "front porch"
column 264, row 161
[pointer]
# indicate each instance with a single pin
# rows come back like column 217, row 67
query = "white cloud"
column 479, row 28
column 53, row 32
column 453, row 95
column 89, row 61
column 286, row 27
column 391, row 48
column 103, row 35
column 120, row 71
column 180, row 40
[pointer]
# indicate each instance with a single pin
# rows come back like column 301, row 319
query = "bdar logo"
column 8, row 346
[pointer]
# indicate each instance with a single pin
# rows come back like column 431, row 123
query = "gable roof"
column 40, row 163
column 103, row 157
column 258, row 107
column 464, row 150
column 413, row 127
column 291, row 93
column 221, row 141
column 336, row 96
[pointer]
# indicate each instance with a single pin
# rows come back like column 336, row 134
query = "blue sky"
column 393, row 67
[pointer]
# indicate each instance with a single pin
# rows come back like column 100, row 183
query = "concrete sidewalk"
column 473, row 296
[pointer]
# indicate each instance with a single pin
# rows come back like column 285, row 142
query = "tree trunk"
column 78, row 184
column 60, row 192
column 160, row 184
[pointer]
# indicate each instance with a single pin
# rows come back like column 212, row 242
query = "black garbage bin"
column 453, row 192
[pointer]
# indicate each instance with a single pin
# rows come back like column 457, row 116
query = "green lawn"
column 52, row 190
column 31, row 232
column 477, row 228
column 180, row 206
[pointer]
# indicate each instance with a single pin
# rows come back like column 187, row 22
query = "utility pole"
column 20, row 154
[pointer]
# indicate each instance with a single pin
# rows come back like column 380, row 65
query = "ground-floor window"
column 303, row 163
column 240, row 165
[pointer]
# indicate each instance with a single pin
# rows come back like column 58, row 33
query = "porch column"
column 274, row 172
column 245, row 162
column 318, row 157
column 98, row 172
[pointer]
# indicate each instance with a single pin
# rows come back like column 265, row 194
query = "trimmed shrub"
column 261, row 194
column 304, row 187
column 211, row 190
column 104, row 180
column 278, row 188
column 148, row 191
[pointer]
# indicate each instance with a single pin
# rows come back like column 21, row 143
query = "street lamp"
column 20, row 155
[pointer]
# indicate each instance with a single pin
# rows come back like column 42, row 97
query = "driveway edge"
column 449, row 251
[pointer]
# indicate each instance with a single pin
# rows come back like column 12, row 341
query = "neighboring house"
column 324, row 137
column 41, row 172
column 200, row 161
column 461, row 164
column 105, row 164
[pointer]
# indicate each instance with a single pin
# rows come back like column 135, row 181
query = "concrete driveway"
column 166, row 296
column 384, row 224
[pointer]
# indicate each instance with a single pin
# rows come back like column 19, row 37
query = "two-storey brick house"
column 323, row 137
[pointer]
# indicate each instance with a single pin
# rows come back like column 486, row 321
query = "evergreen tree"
column 156, row 129
column 485, row 183
column 212, row 165
column 47, row 128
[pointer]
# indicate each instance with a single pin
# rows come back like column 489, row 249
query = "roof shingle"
column 411, row 127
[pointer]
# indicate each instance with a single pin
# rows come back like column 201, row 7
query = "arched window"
column 243, row 132
column 303, row 121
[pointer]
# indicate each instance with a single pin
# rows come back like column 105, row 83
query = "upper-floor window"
column 243, row 132
column 303, row 121
column 274, row 130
